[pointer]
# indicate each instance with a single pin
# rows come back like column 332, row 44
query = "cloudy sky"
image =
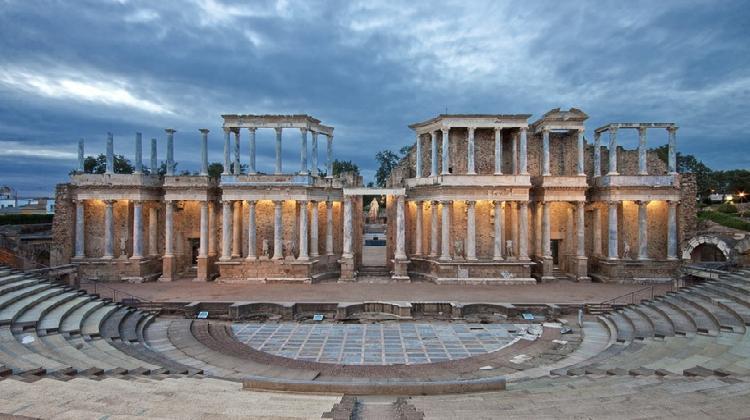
column 78, row 69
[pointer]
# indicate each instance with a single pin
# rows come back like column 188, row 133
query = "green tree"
column 215, row 169
column 387, row 160
column 704, row 176
column 341, row 166
column 98, row 165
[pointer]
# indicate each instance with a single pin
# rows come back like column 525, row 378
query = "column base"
column 168, row 268
column 400, row 270
column 581, row 269
column 203, row 270
column 347, row 269
column 108, row 257
column 137, row 257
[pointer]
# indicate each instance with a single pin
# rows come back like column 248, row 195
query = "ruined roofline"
column 236, row 121
column 609, row 126
column 498, row 118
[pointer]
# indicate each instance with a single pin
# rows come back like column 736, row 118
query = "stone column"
column 514, row 227
column 303, row 152
column 110, row 154
column 329, row 157
column 524, row 153
column 227, row 153
column 642, row 230
column 251, row 232
column 80, row 230
column 579, row 165
column 329, row 227
column 251, row 146
column 445, row 246
column 278, row 150
column 418, row 228
column 419, row 158
column 170, row 151
column 538, row 229
column 546, row 246
column 470, row 151
column 400, row 229
column 498, row 151
column 446, row 150
column 278, row 249
column 433, row 229
column 81, row 158
column 168, row 228
column 471, row 230
column 202, row 260
column 523, row 228
column 597, row 230
column 153, row 232
column 138, row 169
column 109, row 231
column 211, row 229
column 612, row 151
column 137, row 230
column 314, row 229
column 597, row 154
column 672, row 152
column 315, row 153
column 672, row 230
column 237, row 168
column 612, row 248
column 236, row 229
column 226, row 229
column 303, row 253
column 514, row 153
column 497, row 252
column 154, row 162
column 204, row 151
column 642, row 165
column 580, row 228
column 348, row 228
column 545, row 152
column 433, row 154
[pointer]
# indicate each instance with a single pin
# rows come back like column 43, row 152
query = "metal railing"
column 626, row 299
column 126, row 298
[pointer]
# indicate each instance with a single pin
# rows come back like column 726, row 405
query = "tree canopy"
column 387, row 160
column 98, row 165
column 341, row 166
column 725, row 182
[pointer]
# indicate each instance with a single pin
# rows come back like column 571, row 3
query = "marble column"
column 237, row 168
column 419, row 158
column 612, row 248
column 329, row 227
column 278, row 151
column 303, row 152
column 251, row 169
column 446, row 151
column 203, row 248
column 545, row 152
column 329, row 156
column 204, row 151
column 642, row 230
column 226, row 230
column 109, row 230
column 498, row 151
column 278, row 248
column 579, row 163
column 400, row 228
column 514, row 153
column 418, row 228
column 138, row 167
column 211, row 229
column 252, row 244
column 445, row 246
column 524, row 153
column 497, row 240
column 433, row 229
column 314, row 229
column 612, row 151
column 137, row 230
column 154, row 161
column 514, row 228
column 81, row 157
column 580, row 228
column 227, row 153
column 153, row 232
column 470, row 152
column 315, row 153
column 597, row 232
column 303, row 249
column 168, row 228
column 170, row 151
column 110, row 154
column 546, row 245
column 348, row 228
column 523, row 228
column 80, row 230
column 471, row 230
column 236, row 229
column 433, row 154
column 672, row 230
column 672, row 151
column 538, row 229
column 597, row 154
column 642, row 165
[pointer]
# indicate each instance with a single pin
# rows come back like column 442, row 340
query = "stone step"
column 31, row 317
column 642, row 326
column 623, row 326
column 51, row 321
column 19, row 284
column 704, row 322
column 72, row 322
column 12, row 297
column 14, row 277
column 725, row 319
column 129, row 326
column 91, row 325
column 682, row 323
column 10, row 312
column 74, row 356
column 16, row 356
column 663, row 326
column 110, row 325
column 721, row 299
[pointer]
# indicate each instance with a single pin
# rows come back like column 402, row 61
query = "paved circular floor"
column 381, row 344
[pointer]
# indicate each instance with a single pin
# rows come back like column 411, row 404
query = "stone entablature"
column 448, row 121
column 556, row 120
column 517, row 181
column 234, row 121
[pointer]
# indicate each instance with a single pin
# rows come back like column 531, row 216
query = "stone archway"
column 714, row 241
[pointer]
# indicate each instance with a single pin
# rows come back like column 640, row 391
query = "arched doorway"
column 707, row 252
column 707, row 248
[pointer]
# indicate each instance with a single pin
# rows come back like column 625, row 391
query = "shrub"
column 727, row 208
column 724, row 220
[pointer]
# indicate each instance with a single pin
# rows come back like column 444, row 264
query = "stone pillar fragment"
column 109, row 231
column 580, row 228
column 329, row 157
column 470, row 152
column 110, row 154
column 251, row 151
column 251, row 232
column 211, row 229
column 672, row 151
column 314, row 168
column 419, row 157
column 154, row 161
column 642, row 230
column 303, row 152
column 579, row 163
column 303, row 250
column 497, row 240
column 445, row 248
column 329, row 227
column 170, row 151
column 446, row 151
column 514, row 228
column 471, row 230
column 153, row 232
column 168, row 263
column 400, row 229
column 524, row 153
column 597, row 230
column 203, row 248
column 597, row 155
column 514, row 153
column 672, row 230
column 226, row 230
column 227, row 153
column 418, row 228
column 348, row 229
column 612, row 151
column 612, row 248
column 81, row 158
column 433, row 229
column 237, row 229
column 237, row 168
column 433, row 154
column 278, row 249
column 642, row 166
column 546, row 245
column 314, row 229
column 545, row 153
column 204, row 151
column 80, row 230
column 138, row 167
column 523, row 228
column 137, row 230
column 278, row 150
column 498, row 151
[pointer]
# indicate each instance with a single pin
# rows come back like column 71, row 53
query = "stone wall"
column 687, row 220
column 63, row 226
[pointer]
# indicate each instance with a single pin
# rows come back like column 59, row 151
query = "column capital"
column 445, row 130
column 471, row 202
column 581, row 131
column 672, row 129
column 252, row 129
column 314, row 134
column 433, row 134
column 170, row 130
column 642, row 130
column 303, row 130
column 446, row 202
column 500, row 202
column 545, row 130
column 227, row 130
column 109, row 202
column 471, row 130
column 251, row 202
column 204, row 130
column 639, row 202
column 227, row 202
column 278, row 130
column 612, row 130
column 597, row 135
column 523, row 129
column 138, row 202
column 330, row 137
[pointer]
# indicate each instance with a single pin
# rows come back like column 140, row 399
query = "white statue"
column 374, row 209
column 264, row 249
column 458, row 246
column 509, row 248
column 626, row 251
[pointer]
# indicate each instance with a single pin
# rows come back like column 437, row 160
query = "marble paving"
column 380, row 344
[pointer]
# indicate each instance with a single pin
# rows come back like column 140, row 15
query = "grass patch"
column 25, row 219
column 724, row 220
